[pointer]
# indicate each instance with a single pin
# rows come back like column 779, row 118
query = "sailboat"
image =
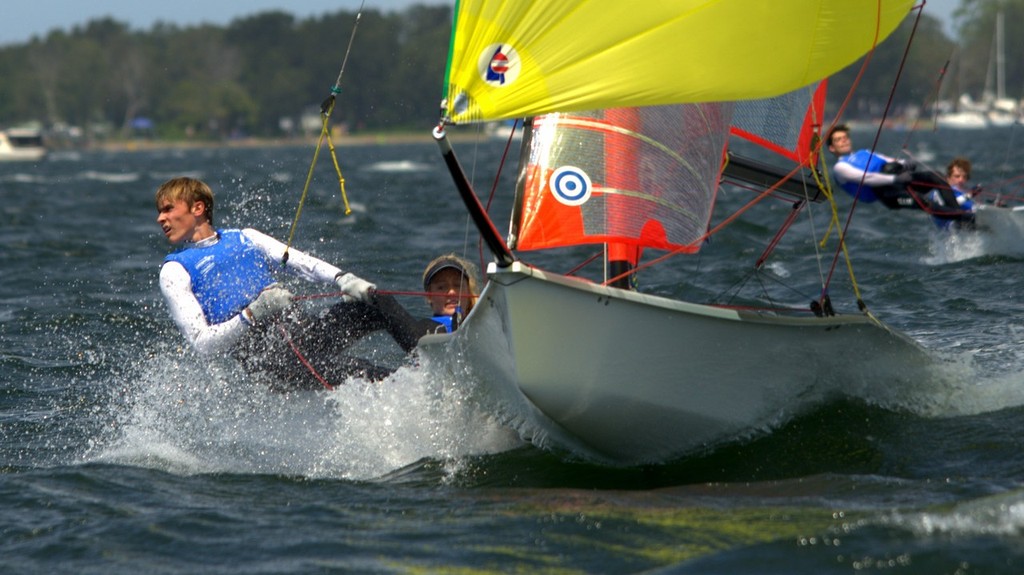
column 1003, row 111
column 21, row 145
column 969, row 115
column 633, row 113
column 995, row 109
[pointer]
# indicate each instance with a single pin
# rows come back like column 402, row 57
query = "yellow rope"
column 825, row 186
column 341, row 179
column 325, row 115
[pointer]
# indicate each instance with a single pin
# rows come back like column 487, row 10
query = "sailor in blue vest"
column 870, row 176
column 451, row 287
column 960, row 215
column 451, row 283
column 222, row 292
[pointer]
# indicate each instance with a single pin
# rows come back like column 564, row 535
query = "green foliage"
column 975, row 60
column 920, row 47
column 935, row 66
column 210, row 82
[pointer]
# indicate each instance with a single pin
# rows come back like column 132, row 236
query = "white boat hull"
column 632, row 378
column 1000, row 228
column 21, row 145
column 962, row 121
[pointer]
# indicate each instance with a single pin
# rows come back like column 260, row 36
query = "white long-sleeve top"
column 844, row 171
column 206, row 338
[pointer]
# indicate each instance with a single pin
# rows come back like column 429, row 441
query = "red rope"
column 318, row 295
column 380, row 291
column 298, row 353
column 303, row 359
column 793, row 213
column 395, row 292
column 874, row 144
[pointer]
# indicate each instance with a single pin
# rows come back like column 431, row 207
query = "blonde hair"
column 452, row 261
column 190, row 190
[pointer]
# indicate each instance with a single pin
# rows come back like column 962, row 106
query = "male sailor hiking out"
column 870, row 176
column 222, row 292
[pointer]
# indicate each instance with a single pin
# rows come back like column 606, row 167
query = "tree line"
column 927, row 67
column 261, row 74
column 257, row 76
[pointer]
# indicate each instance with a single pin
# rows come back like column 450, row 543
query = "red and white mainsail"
column 639, row 177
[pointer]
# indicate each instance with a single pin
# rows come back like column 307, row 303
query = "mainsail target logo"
column 570, row 185
column 499, row 65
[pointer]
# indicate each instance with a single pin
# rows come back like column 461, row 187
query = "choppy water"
column 122, row 453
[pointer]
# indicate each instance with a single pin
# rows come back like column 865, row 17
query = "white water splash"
column 950, row 247
column 183, row 417
column 1000, row 515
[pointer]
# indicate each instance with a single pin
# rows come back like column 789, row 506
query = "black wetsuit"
column 321, row 344
column 915, row 196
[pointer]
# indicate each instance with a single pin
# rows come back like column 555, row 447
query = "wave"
column 399, row 166
column 184, row 417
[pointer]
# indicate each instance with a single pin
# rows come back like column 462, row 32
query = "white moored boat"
column 21, row 144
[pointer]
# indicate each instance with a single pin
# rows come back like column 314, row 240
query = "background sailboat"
column 995, row 109
column 1002, row 111
column 592, row 365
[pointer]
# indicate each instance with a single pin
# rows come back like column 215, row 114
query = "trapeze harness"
column 226, row 275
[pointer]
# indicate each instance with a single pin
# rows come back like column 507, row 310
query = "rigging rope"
column 325, row 113
column 842, row 248
column 933, row 98
column 326, row 108
column 378, row 291
column 302, row 359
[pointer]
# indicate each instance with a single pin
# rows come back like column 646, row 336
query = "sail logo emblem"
column 499, row 65
column 570, row 185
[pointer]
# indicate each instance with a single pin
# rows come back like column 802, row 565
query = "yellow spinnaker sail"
column 521, row 58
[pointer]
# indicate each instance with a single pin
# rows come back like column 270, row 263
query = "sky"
column 23, row 19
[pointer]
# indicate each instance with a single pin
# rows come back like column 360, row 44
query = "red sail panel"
column 621, row 154
column 787, row 124
column 657, row 192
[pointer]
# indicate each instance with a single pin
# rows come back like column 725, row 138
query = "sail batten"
column 643, row 177
column 786, row 124
column 512, row 60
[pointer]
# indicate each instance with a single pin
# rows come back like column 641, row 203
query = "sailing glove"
column 892, row 168
column 903, row 178
column 271, row 301
column 354, row 287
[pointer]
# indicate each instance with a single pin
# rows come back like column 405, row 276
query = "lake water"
column 121, row 452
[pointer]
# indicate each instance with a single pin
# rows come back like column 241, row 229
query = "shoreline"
column 342, row 141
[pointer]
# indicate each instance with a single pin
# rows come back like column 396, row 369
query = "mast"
column 1000, row 59
column 502, row 254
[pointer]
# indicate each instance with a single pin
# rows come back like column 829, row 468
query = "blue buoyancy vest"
column 865, row 161
column 450, row 322
column 944, row 221
column 445, row 320
column 226, row 275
